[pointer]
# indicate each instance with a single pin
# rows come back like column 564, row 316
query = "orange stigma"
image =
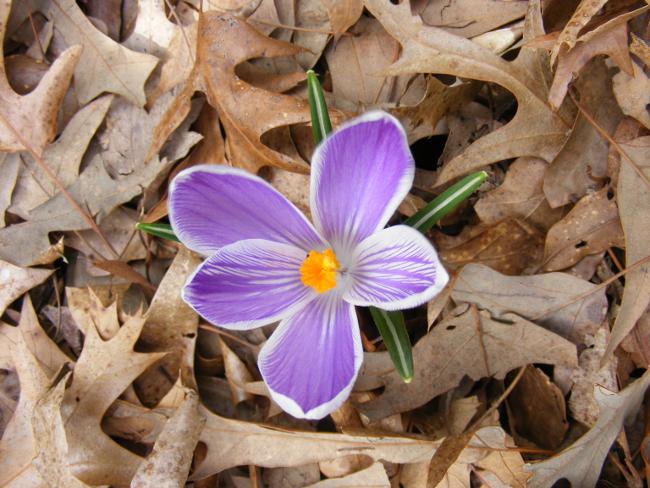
column 318, row 270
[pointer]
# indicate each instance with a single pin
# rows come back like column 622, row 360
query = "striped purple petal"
column 249, row 284
column 360, row 174
column 395, row 268
column 312, row 359
column 211, row 206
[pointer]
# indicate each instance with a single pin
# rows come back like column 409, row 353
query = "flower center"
column 318, row 270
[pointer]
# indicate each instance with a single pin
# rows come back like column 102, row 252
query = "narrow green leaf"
column 320, row 119
column 393, row 332
column 447, row 201
column 159, row 230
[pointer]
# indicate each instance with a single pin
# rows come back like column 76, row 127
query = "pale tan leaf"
column 582, row 461
column 519, row 196
column 564, row 304
column 534, row 131
column 236, row 373
column 14, row 281
column 9, row 168
column 63, row 158
column 469, row 18
column 633, row 196
column 633, row 94
column 569, row 35
column 103, row 371
column 29, row 122
column 50, row 441
column 467, row 343
column 246, row 112
column 104, row 65
column 372, row 477
column 88, row 311
column 592, row 226
column 169, row 463
column 581, row 165
column 343, row 15
column 153, row 32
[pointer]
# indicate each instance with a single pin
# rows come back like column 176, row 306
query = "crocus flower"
column 266, row 262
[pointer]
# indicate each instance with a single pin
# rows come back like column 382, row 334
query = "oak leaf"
column 467, row 343
column 14, row 281
column 29, row 122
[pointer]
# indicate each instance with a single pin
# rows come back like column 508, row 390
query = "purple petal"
column 360, row 174
column 249, row 284
column 311, row 361
column 393, row 269
column 212, row 206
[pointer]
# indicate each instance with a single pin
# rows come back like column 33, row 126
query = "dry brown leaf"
column 467, row 343
column 29, row 122
column 564, row 304
column 246, row 112
column 87, row 309
column 538, row 409
column 169, row 463
column 343, row 15
column 23, row 243
column 633, row 197
column 581, row 165
column 14, row 281
column 582, row 461
column 236, row 373
column 18, row 445
column 103, row 371
column 153, row 32
column 640, row 48
column 469, row 18
column 104, row 65
column 589, row 374
column 171, row 326
column 633, row 94
column 296, row 477
column 519, row 196
column 371, row 477
column 580, row 18
column 63, row 158
column 610, row 39
column 357, row 65
column 50, row 441
column 234, row 443
column 511, row 247
column 9, row 168
column 535, row 129
column 592, row 226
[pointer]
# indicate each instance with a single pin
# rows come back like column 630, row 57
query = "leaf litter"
column 529, row 367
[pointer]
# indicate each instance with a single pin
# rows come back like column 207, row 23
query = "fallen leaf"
column 467, row 343
column 633, row 94
column 153, row 32
column 63, row 158
column 50, row 440
column 103, row 371
column 538, row 409
column 592, row 226
column 511, row 246
column 9, row 167
column 591, row 373
column 14, row 281
column 29, row 122
column 469, row 18
column 519, row 196
column 225, row 42
column 559, row 302
column 343, row 15
column 169, row 463
column 371, row 477
column 582, row 461
column 25, row 242
column 535, row 129
column 581, row 164
column 633, row 196
column 123, row 71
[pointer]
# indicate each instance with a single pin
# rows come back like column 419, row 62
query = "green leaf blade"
column 159, row 230
column 395, row 336
column 320, row 119
column 446, row 202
